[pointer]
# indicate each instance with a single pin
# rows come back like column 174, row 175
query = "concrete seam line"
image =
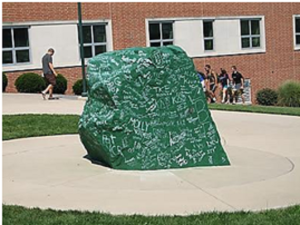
column 285, row 173
column 199, row 188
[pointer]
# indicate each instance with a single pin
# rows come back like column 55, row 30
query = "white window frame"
column 198, row 50
column 93, row 44
column 208, row 38
column 251, row 35
column 161, row 40
column 14, row 49
column 296, row 46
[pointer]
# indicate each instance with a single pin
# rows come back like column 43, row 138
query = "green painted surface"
column 146, row 110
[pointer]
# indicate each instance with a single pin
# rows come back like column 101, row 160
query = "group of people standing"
column 232, row 85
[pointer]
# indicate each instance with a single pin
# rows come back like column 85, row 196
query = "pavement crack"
column 215, row 197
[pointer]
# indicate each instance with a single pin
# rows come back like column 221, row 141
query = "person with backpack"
column 224, row 81
column 211, row 83
column 238, row 85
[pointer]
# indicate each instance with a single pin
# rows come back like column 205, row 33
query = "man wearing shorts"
column 49, row 73
column 238, row 85
column 211, row 83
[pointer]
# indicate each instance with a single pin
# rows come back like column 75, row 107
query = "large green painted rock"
column 146, row 110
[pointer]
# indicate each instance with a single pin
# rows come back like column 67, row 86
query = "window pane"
column 7, row 57
column 154, row 31
column 255, row 27
column 298, row 39
column 155, row 44
column 245, row 42
column 167, row 30
column 208, row 29
column 245, row 27
column 100, row 49
column 167, row 43
column 208, row 44
column 21, row 37
column 6, row 38
column 87, row 52
column 86, row 33
column 297, row 25
column 99, row 33
column 256, row 42
column 22, row 56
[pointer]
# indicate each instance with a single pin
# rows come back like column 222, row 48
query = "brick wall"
column 270, row 69
column 39, row 11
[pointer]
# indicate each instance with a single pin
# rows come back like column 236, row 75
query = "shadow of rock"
column 99, row 163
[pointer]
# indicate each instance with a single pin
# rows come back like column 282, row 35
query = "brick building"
column 261, row 39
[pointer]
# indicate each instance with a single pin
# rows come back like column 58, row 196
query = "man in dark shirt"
column 238, row 85
column 49, row 73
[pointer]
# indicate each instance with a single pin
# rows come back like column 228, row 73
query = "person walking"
column 238, row 85
column 224, row 81
column 211, row 83
column 49, row 74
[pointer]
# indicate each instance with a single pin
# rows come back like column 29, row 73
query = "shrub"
column 61, row 84
column 289, row 94
column 78, row 87
column 4, row 81
column 30, row 83
column 266, row 96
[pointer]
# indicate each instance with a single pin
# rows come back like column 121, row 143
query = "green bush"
column 61, row 84
column 4, row 81
column 289, row 94
column 30, row 83
column 78, row 87
column 266, row 96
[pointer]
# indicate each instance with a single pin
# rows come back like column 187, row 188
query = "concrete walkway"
column 34, row 103
column 52, row 172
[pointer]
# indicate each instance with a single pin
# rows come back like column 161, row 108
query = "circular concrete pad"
column 53, row 172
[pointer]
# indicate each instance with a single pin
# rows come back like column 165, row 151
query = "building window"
column 15, row 46
column 161, row 33
column 208, row 35
column 250, row 33
column 94, row 39
column 297, row 30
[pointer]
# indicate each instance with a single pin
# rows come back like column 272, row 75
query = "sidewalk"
column 34, row 103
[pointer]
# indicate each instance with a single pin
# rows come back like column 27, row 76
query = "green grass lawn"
column 16, row 215
column 292, row 111
column 20, row 126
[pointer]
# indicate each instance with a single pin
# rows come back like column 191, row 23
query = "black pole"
column 84, row 93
